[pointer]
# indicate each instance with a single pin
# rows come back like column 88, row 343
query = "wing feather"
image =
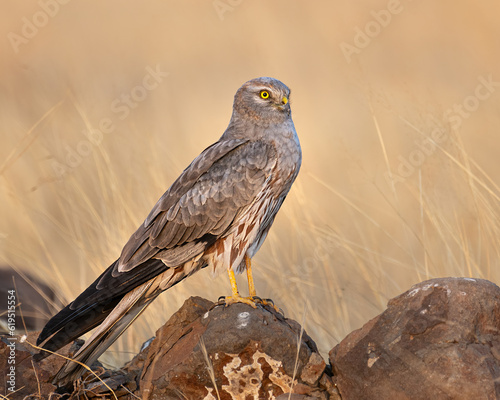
column 202, row 204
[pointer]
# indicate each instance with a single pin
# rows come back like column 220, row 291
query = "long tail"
column 113, row 302
column 91, row 307
column 118, row 320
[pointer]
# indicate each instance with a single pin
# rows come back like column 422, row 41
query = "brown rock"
column 439, row 340
column 326, row 382
column 30, row 378
column 293, row 396
column 314, row 369
column 249, row 352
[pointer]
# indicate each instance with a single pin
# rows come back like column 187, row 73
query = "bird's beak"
column 284, row 102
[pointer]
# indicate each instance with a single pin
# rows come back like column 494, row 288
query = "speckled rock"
column 29, row 378
column 238, row 351
column 439, row 340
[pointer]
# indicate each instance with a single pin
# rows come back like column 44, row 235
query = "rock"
column 327, row 382
column 293, row 396
column 108, row 381
column 203, row 349
column 237, row 351
column 134, row 367
column 313, row 369
column 29, row 381
column 439, row 340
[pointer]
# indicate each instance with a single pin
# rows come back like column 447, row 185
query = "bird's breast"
column 289, row 160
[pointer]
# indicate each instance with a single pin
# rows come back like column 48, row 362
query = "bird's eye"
column 264, row 94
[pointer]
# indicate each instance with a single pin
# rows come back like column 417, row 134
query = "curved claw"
column 270, row 303
column 228, row 300
column 252, row 301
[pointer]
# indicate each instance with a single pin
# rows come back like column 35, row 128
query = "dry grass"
column 352, row 233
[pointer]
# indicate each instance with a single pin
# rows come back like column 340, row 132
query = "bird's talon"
column 238, row 299
column 257, row 299
column 268, row 301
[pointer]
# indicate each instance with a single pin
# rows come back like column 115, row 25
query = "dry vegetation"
column 353, row 233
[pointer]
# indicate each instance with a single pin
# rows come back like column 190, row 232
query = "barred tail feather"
column 127, row 310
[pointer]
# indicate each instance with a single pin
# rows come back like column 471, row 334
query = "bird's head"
column 263, row 100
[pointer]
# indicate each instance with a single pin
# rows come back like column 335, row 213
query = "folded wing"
column 194, row 212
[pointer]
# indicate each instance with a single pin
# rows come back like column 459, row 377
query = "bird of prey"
column 216, row 214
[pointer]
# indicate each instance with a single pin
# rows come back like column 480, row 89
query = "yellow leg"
column 235, row 297
column 252, row 299
column 251, row 286
column 232, row 280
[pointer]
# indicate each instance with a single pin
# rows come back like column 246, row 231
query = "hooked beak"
column 284, row 102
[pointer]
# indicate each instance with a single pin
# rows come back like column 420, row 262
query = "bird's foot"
column 269, row 303
column 228, row 300
column 251, row 301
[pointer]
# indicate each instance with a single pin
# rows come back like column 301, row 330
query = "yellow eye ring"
column 264, row 94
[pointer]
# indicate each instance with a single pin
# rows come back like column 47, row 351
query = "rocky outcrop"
column 21, row 377
column 438, row 340
column 205, row 351
column 237, row 351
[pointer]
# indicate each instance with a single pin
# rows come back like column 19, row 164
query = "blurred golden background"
column 396, row 103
